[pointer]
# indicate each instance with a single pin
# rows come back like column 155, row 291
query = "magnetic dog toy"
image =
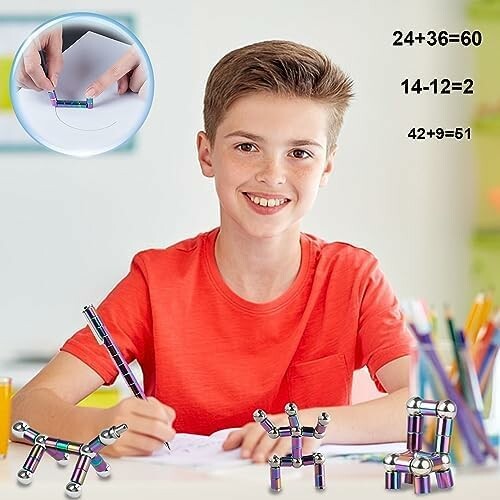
column 59, row 449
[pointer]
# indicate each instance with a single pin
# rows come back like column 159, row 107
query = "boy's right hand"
column 149, row 426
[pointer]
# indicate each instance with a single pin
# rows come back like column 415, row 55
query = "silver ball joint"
column 420, row 466
column 445, row 461
column 413, row 406
column 41, row 440
column 274, row 461
column 85, row 450
column 73, row 490
column 106, row 437
column 291, row 409
column 19, row 428
column 390, row 462
column 296, row 463
column 324, row 419
column 273, row 433
column 319, row 458
column 24, row 476
column 446, row 409
column 259, row 415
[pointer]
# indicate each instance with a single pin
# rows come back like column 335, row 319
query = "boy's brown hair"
column 280, row 67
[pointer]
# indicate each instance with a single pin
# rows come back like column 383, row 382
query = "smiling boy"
column 254, row 313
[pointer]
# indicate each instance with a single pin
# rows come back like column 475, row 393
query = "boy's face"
column 268, row 159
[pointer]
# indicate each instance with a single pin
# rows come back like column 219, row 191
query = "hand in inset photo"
column 128, row 72
column 31, row 74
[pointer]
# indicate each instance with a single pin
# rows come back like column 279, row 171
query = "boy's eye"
column 246, row 147
column 301, row 154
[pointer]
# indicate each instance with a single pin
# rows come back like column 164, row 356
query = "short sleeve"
column 126, row 312
column 382, row 333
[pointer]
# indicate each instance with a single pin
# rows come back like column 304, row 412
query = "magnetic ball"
column 446, row 461
column 85, row 450
column 73, row 490
column 40, row 439
column 24, row 476
column 259, row 415
column 413, row 406
column 446, row 409
column 420, row 466
column 296, row 462
column 106, row 437
column 273, row 433
column 319, row 458
column 291, row 409
column 324, row 419
column 19, row 428
column 274, row 461
column 390, row 462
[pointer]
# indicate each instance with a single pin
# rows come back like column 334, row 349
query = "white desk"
column 140, row 481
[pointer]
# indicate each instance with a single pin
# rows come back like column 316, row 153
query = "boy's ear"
column 328, row 168
column 204, row 154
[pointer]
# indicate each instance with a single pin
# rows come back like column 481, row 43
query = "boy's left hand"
column 257, row 445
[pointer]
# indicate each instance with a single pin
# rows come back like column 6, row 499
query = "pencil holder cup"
column 474, row 439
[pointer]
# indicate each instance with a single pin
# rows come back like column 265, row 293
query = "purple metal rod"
column 103, row 336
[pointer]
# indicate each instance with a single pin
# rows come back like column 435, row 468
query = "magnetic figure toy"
column 59, row 449
column 297, row 433
column 416, row 465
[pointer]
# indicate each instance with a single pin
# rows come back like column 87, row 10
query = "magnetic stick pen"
column 52, row 93
column 103, row 337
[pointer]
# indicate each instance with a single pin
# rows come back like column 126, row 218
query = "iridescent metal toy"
column 416, row 465
column 67, row 103
column 59, row 449
column 297, row 433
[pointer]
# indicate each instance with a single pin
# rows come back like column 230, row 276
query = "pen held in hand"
column 103, row 337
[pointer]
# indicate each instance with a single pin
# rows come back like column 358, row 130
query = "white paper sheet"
column 206, row 451
column 81, row 131
column 195, row 450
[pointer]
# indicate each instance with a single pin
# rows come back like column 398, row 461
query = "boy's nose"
column 271, row 172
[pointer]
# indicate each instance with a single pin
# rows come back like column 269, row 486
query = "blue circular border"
column 60, row 19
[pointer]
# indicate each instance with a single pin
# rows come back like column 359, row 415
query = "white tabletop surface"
column 136, row 480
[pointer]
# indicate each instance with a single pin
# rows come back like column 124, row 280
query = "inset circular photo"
column 82, row 84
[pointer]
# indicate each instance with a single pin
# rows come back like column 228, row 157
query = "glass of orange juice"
column 5, row 395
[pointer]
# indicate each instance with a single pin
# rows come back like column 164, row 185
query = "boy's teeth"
column 264, row 202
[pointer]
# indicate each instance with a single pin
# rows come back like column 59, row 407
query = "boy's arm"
column 48, row 404
column 48, row 401
column 378, row 421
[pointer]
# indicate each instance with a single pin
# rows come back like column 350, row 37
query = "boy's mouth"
column 267, row 201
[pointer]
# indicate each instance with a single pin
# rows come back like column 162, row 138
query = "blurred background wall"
column 69, row 227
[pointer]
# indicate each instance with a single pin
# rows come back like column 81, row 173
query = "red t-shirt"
column 216, row 357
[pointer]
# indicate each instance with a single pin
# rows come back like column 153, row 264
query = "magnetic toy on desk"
column 59, row 449
column 296, row 432
column 416, row 465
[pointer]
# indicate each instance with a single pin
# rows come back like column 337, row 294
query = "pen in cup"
column 103, row 337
